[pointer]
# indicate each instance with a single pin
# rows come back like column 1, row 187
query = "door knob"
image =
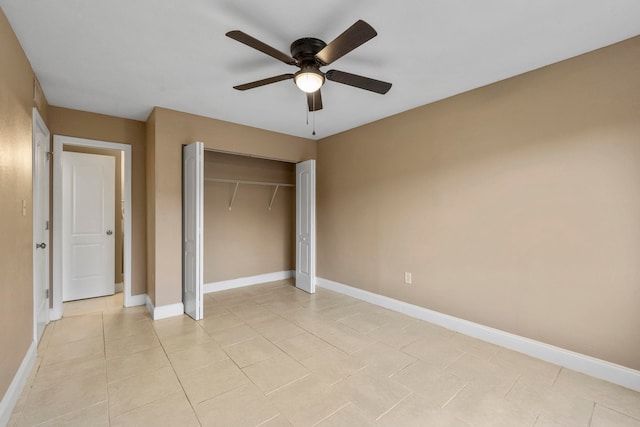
column 41, row 245
column 109, row 232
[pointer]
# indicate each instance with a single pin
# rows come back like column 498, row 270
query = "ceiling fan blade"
column 263, row 82
column 354, row 36
column 314, row 101
column 262, row 47
column 361, row 82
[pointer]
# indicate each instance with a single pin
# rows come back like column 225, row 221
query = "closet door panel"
column 192, row 228
column 306, row 226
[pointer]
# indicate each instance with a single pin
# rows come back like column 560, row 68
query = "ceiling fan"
column 309, row 54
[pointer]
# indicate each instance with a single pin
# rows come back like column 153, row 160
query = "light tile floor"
column 270, row 355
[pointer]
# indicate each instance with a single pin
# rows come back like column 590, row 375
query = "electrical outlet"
column 407, row 278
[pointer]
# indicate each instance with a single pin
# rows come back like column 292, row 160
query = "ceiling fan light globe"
column 309, row 82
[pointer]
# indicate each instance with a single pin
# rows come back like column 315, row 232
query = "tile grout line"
column 454, row 396
column 104, row 357
column 511, row 386
column 284, row 385
column 177, row 377
column 555, row 379
column 106, row 369
column 617, row 411
column 394, row 406
column 333, row 413
column 348, row 376
column 236, row 343
column 407, row 366
column 535, row 420
column 593, row 409
column 58, row 417
column 397, row 371
column 454, row 361
column 272, row 418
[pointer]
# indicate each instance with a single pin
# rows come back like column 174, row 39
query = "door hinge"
column 46, row 293
column 46, row 225
column 49, row 155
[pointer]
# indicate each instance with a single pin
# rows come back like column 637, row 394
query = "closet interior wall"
column 249, row 239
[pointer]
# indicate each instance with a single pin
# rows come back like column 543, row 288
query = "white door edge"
column 193, row 213
column 306, row 226
column 38, row 123
column 58, row 142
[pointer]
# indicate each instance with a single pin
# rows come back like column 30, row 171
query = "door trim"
column 38, row 123
column 58, row 142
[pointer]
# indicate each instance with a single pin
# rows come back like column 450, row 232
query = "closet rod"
column 236, row 181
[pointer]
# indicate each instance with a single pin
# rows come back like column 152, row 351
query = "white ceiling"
column 123, row 57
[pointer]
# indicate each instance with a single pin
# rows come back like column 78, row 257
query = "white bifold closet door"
column 192, row 228
column 306, row 226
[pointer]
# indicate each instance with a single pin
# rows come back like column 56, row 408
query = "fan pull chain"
column 314, row 114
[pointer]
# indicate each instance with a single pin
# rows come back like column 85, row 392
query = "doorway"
column 59, row 142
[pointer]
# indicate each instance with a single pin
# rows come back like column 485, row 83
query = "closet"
column 245, row 220
column 249, row 217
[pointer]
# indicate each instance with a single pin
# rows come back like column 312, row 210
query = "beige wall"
column 119, row 241
column 515, row 205
column 16, row 229
column 81, row 124
column 250, row 239
column 172, row 130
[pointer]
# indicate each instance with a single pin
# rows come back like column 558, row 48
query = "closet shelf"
column 238, row 182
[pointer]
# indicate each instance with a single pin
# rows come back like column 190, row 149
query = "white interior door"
column 40, row 224
column 192, row 228
column 88, row 239
column 306, row 226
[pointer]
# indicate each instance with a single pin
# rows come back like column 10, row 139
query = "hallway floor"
column 271, row 355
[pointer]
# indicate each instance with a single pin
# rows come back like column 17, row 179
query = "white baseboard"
column 247, row 281
column 118, row 287
column 598, row 368
column 54, row 314
column 164, row 311
column 136, row 300
column 12, row 394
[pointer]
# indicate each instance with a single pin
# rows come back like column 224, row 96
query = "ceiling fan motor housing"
column 304, row 50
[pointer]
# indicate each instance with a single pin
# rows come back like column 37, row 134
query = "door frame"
column 58, row 142
column 38, row 123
